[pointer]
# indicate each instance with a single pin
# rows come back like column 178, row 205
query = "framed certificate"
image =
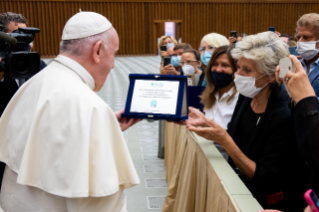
column 156, row 96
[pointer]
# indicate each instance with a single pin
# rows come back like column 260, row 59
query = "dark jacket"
column 279, row 167
column 314, row 80
column 7, row 89
column 306, row 119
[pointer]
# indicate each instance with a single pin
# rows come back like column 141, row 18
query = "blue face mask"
column 221, row 80
column 206, row 57
column 169, row 45
column 236, row 44
column 175, row 60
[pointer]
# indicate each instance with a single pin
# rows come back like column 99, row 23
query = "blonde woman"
column 207, row 46
column 168, row 41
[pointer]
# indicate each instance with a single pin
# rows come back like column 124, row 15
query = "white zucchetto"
column 85, row 24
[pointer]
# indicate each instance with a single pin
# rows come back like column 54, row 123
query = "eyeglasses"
column 188, row 62
column 209, row 49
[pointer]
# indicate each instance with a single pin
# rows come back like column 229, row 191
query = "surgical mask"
column 236, row 44
column 246, row 85
column 221, row 80
column 307, row 50
column 169, row 45
column 175, row 60
column 188, row 69
column 206, row 57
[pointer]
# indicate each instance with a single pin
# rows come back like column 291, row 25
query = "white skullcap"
column 85, row 24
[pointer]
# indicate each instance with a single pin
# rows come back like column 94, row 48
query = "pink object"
column 312, row 200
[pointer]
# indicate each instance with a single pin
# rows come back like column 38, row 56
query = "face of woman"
column 190, row 59
column 248, row 68
column 206, row 48
column 166, row 41
column 222, row 65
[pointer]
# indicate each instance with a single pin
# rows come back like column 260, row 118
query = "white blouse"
column 222, row 110
column 221, row 113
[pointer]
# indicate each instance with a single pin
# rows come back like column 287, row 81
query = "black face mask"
column 221, row 80
column 21, row 47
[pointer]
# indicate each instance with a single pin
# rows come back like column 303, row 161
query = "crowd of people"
column 264, row 126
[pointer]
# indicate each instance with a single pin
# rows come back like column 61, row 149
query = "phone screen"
column 314, row 199
column 233, row 34
column 272, row 29
column 164, row 48
column 167, row 61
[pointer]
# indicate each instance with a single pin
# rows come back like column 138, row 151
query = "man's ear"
column 97, row 52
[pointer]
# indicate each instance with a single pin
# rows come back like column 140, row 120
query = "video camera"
column 16, row 59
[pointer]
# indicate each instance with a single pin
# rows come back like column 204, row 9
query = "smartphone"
column 164, row 48
column 272, row 29
column 167, row 61
column 285, row 65
column 312, row 200
column 233, row 34
column 293, row 50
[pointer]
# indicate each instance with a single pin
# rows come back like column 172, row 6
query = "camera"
column 17, row 61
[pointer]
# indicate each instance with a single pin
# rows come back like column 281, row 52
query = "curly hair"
column 265, row 49
column 161, row 42
column 6, row 18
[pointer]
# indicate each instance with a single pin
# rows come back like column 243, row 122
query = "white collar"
column 78, row 69
column 228, row 93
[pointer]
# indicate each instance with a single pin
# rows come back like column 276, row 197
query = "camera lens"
column 21, row 64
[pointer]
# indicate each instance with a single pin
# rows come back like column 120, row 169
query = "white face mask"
column 169, row 45
column 307, row 50
column 246, row 85
column 188, row 69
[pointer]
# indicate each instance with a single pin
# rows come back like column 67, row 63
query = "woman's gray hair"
column 80, row 47
column 265, row 49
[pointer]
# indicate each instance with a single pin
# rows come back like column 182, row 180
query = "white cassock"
column 63, row 146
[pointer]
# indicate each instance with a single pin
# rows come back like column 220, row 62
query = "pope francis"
column 62, row 144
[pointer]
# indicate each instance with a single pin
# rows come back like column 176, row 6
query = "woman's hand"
column 297, row 84
column 213, row 132
column 196, row 118
column 163, row 53
column 232, row 40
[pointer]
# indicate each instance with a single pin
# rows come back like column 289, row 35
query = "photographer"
column 10, row 23
column 26, row 62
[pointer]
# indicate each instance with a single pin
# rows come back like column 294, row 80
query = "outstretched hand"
column 297, row 84
column 196, row 118
column 124, row 122
column 213, row 132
